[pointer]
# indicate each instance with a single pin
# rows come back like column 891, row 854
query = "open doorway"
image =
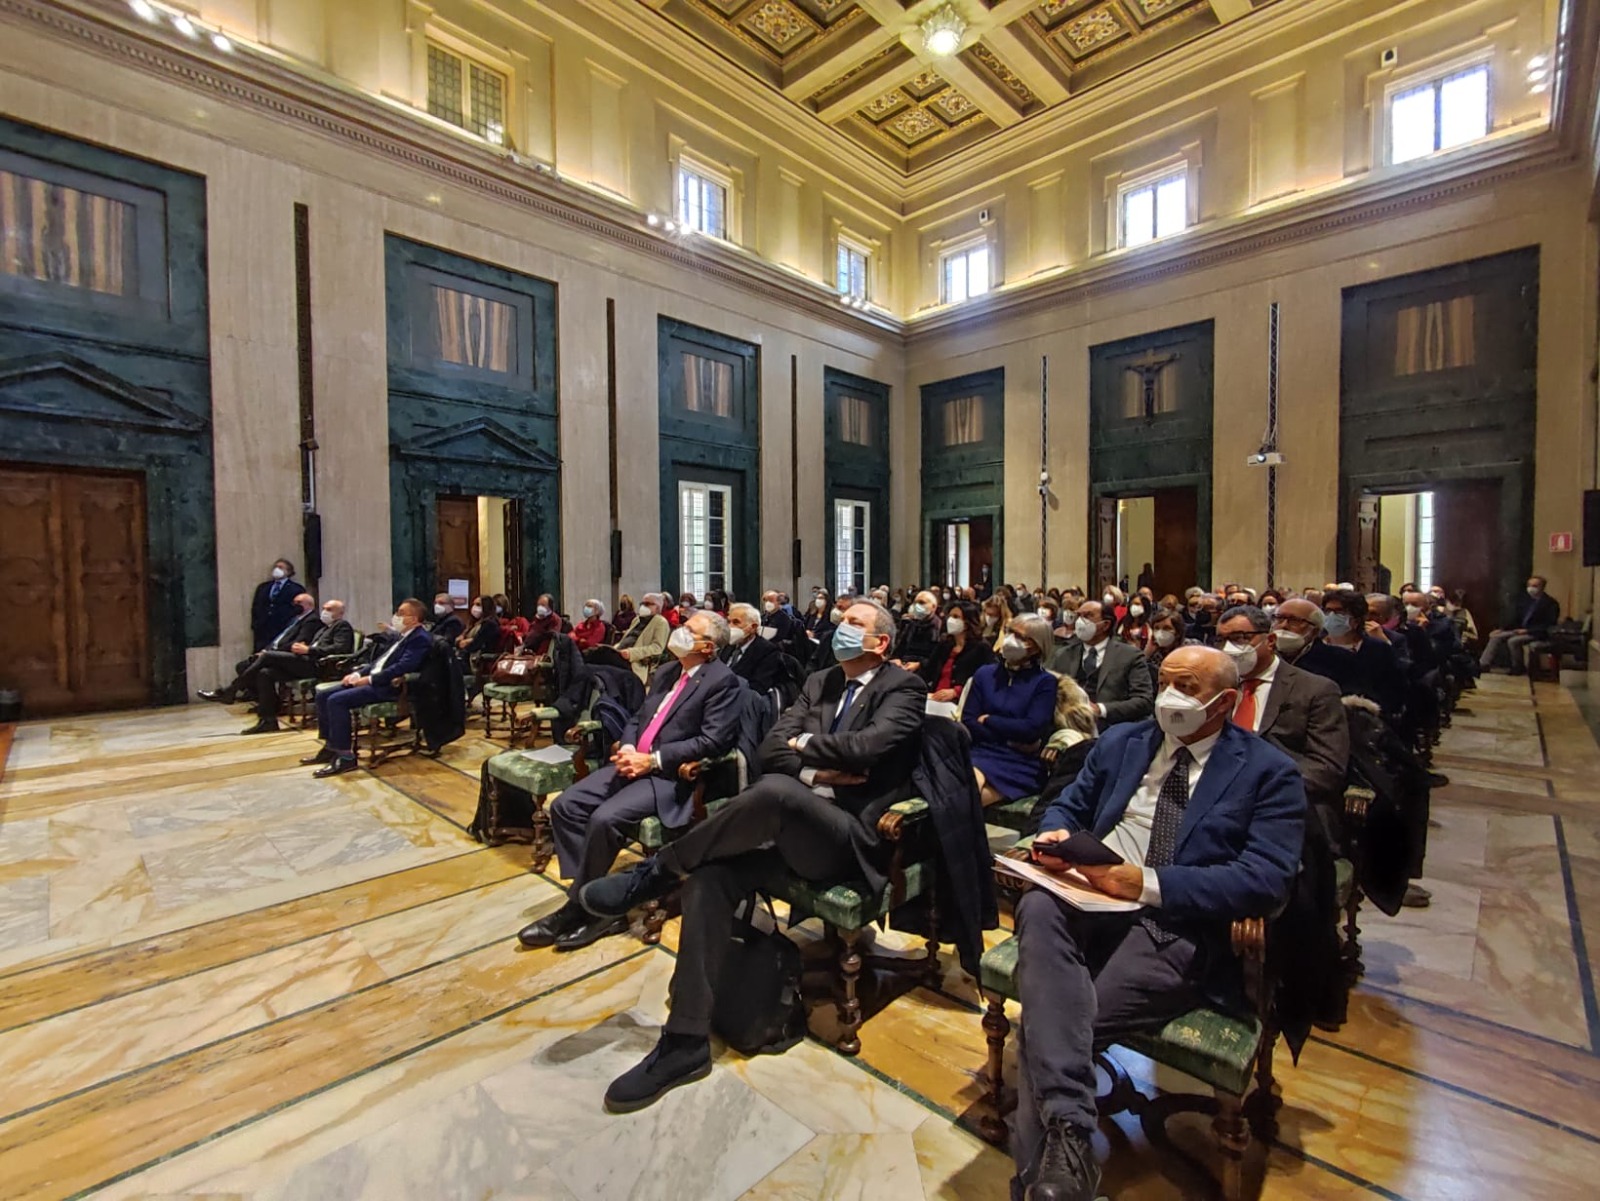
column 479, row 548
column 1148, row 538
column 1446, row 535
column 963, row 551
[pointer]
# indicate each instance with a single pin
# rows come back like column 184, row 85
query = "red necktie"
column 1245, row 715
column 647, row 739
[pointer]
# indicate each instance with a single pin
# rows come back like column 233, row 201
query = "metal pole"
column 1044, row 469
column 1272, row 439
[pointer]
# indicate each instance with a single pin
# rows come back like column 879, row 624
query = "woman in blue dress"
column 1010, row 710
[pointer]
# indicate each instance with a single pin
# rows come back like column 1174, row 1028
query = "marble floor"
column 222, row 979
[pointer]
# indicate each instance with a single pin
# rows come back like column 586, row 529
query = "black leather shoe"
column 220, row 696
column 1067, row 1170
column 322, row 756
column 263, row 727
column 338, row 767
column 552, row 926
column 592, row 931
column 614, row 895
column 677, row 1059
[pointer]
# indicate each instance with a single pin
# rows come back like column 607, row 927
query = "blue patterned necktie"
column 1170, row 804
column 850, row 691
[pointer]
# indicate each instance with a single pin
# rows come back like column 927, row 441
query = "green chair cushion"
column 586, row 726
column 303, row 687
column 652, row 835
column 511, row 694
column 539, row 779
column 1012, row 815
column 1344, row 880
column 380, row 711
column 850, row 906
column 1215, row 1048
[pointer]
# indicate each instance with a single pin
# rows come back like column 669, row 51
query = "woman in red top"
column 544, row 623
column 592, row 630
column 958, row 654
column 510, row 619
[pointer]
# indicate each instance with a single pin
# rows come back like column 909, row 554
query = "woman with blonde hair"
column 1076, row 729
column 997, row 617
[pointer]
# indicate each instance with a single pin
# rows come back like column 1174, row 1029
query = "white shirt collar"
column 1266, row 677
column 865, row 678
column 1199, row 751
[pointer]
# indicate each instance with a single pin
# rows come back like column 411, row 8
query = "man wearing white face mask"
column 1111, row 671
column 754, row 660
column 334, row 708
column 1209, row 822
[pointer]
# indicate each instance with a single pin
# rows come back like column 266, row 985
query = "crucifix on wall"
column 1148, row 367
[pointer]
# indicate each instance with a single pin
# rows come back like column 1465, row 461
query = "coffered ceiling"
column 861, row 67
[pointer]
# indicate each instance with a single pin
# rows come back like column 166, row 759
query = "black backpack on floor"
column 765, row 1012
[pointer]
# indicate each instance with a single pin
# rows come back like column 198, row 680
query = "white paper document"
column 550, row 754
column 1068, row 885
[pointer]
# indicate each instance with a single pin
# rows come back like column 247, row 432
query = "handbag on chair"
column 525, row 671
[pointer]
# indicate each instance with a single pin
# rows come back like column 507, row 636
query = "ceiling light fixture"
column 184, row 26
column 942, row 32
column 652, row 219
column 221, row 42
column 143, row 8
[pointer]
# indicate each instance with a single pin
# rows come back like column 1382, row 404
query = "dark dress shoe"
column 592, row 931
column 552, row 926
column 677, row 1059
column 1067, row 1170
column 263, row 727
column 338, row 767
column 614, row 895
column 220, row 696
column 322, row 756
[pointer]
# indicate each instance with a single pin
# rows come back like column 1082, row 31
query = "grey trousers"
column 589, row 821
column 1084, row 980
column 1511, row 648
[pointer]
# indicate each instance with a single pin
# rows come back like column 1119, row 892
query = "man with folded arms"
column 692, row 713
column 1208, row 820
column 833, row 764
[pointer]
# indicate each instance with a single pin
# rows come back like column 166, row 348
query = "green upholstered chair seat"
column 651, row 835
column 381, row 711
column 304, row 687
column 511, row 694
column 1215, row 1048
column 530, row 775
column 1012, row 815
column 586, row 726
column 910, row 807
column 1344, row 880
column 327, row 686
column 850, row 906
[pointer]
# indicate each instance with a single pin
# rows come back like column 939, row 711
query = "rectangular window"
column 852, row 521
column 1157, row 209
column 964, row 273
column 61, row 235
column 474, row 331
column 467, row 94
column 855, row 420
column 963, row 420
column 702, row 201
column 1449, row 111
column 1437, row 336
column 707, row 386
column 852, row 271
column 703, row 512
column 1424, row 540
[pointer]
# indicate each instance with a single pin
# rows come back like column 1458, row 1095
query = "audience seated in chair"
column 1009, row 711
column 447, row 623
column 336, row 707
column 691, row 713
column 1208, row 821
column 508, row 616
column 919, row 633
column 334, row 639
column 544, row 623
column 958, row 654
column 645, row 641
column 300, row 628
column 834, row 762
column 1077, row 725
column 1530, row 621
column 593, row 630
column 755, row 660
column 478, row 645
column 1111, row 671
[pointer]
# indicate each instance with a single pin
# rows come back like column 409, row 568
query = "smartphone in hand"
column 1082, row 849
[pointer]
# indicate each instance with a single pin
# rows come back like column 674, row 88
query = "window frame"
column 841, row 504
column 1152, row 181
column 1436, row 77
column 688, row 578
column 844, row 244
column 965, row 249
column 468, row 59
column 707, row 173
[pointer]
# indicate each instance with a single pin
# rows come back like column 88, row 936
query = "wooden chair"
column 297, row 698
column 1224, row 1051
column 514, row 770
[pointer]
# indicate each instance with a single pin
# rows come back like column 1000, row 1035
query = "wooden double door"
column 73, row 555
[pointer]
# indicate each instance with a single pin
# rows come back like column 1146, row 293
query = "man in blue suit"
column 334, row 707
column 1208, row 820
column 692, row 713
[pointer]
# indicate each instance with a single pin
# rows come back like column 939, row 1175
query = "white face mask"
column 770, row 607
column 954, row 625
column 1108, row 601
column 1166, row 637
column 328, row 618
column 1085, row 629
column 681, row 642
column 1533, row 590
column 542, row 611
column 440, row 610
column 821, row 603
column 1289, row 642
column 279, row 573
column 1244, row 657
column 837, row 616
column 1269, row 610
column 1180, row 714
column 648, row 610
column 736, row 635
column 398, row 622
column 1014, row 650
column 477, row 612
column 1135, row 610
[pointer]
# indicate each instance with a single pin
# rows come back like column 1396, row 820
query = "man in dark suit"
column 833, row 764
column 447, row 623
column 334, row 637
column 1111, row 671
column 1299, row 713
column 302, row 626
column 1208, row 821
column 273, row 605
column 753, row 659
column 1531, row 621
column 692, row 712
column 370, row 687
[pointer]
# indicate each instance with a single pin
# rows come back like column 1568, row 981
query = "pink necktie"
column 648, row 738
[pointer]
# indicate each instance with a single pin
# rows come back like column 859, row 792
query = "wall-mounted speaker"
column 985, row 217
column 1389, row 57
column 1591, row 528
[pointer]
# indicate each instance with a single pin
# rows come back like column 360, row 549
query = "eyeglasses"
column 1243, row 637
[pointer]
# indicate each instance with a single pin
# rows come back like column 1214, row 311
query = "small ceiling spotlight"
column 184, row 26
column 144, row 8
column 221, row 42
column 942, row 31
column 671, row 227
column 652, row 220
